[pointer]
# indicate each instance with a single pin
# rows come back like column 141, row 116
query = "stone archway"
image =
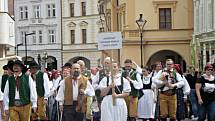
column 167, row 54
column 75, row 59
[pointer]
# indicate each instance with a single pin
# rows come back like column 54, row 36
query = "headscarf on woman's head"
column 177, row 67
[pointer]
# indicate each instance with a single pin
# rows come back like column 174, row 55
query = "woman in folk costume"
column 117, row 112
column 181, row 95
column 146, row 103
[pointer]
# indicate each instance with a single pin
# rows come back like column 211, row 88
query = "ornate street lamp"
column 141, row 23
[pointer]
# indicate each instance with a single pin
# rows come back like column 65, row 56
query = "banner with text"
column 109, row 40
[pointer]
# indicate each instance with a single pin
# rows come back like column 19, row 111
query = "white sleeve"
column 33, row 92
column 60, row 94
column 137, row 83
column 186, row 87
column 139, row 70
column 156, row 80
column 89, row 91
column 46, row 85
column 180, row 82
column 95, row 81
column 103, row 83
column 6, row 96
column 126, row 86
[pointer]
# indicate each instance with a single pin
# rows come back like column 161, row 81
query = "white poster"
column 109, row 40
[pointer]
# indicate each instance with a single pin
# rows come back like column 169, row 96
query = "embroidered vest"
column 68, row 95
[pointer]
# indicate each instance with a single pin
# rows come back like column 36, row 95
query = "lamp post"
column 141, row 23
column 17, row 50
column 46, row 56
column 26, row 46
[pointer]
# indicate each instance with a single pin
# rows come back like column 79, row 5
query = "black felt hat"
column 34, row 65
column 23, row 67
column 10, row 64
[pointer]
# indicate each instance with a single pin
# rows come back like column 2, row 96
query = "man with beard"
column 135, row 81
column 72, row 95
column 41, row 80
column 20, row 94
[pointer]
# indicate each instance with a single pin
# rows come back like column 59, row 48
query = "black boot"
column 162, row 119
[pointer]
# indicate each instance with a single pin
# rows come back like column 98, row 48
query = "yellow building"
column 167, row 33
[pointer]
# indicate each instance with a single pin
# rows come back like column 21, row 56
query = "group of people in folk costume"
column 106, row 95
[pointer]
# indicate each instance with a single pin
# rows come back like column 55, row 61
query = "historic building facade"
column 204, row 31
column 7, row 34
column 167, row 33
column 43, row 18
column 80, row 25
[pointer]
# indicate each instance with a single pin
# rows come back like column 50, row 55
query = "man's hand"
column 61, row 108
column 171, row 86
column 128, row 78
column 45, row 101
column 200, row 101
column 81, row 91
column 6, row 112
column 34, row 109
column 114, row 95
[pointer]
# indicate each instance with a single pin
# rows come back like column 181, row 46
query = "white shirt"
column 95, row 81
column 54, row 86
column 46, row 85
column 89, row 91
column 1, row 94
column 117, row 81
column 159, row 83
column 137, row 83
column 33, row 94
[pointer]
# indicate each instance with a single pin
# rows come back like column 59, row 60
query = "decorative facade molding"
column 172, row 3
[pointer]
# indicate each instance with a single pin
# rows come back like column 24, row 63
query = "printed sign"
column 109, row 40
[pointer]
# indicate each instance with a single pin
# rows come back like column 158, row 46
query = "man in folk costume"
column 87, row 74
column 41, row 81
column 168, row 81
column 20, row 94
column 135, row 81
column 72, row 95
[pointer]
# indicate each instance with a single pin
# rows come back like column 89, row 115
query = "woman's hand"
column 200, row 101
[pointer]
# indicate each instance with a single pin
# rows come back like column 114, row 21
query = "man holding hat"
column 41, row 80
column 19, row 93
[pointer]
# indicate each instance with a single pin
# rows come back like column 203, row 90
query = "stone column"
column 204, row 54
column 210, row 52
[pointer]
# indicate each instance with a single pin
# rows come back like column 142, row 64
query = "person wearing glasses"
column 168, row 82
column 205, row 90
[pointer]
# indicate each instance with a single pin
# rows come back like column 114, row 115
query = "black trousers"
column 70, row 114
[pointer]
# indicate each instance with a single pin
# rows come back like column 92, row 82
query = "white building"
column 7, row 35
column 42, row 17
column 80, row 23
column 204, row 31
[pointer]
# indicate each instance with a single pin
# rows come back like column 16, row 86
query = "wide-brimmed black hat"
column 20, row 63
column 34, row 65
column 10, row 64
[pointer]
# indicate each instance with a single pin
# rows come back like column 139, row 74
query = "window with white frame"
column 34, row 37
column 52, row 36
column 51, row 10
column 21, row 12
column 36, row 11
column 26, row 12
column 40, row 36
